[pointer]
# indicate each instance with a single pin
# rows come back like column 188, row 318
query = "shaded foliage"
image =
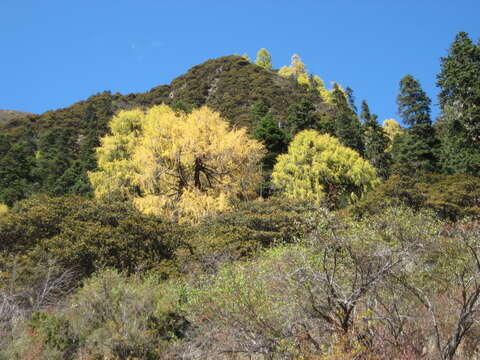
column 450, row 196
column 86, row 235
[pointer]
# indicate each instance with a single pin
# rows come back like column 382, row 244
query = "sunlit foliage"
column 264, row 59
column 318, row 168
column 183, row 166
column 392, row 128
column 3, row 209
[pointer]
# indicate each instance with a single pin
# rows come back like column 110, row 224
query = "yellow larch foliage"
column 298, row 70
column 392, row 128
column 3, row 209
column 183, row 166
column 325, row 94
column 318, row 168
column 264, row 59
column 285, row 71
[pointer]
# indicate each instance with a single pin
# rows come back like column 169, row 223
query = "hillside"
column 56, row 148
column 6, row 115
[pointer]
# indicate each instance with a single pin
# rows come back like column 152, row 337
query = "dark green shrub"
column 243, row 232
column 450, row 196
column 88, row 235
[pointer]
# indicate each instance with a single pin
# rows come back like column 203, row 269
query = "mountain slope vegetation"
column 56, row 148
column 245, row 212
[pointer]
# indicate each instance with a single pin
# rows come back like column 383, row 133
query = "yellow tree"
column 298, row 71
column 318, row 168
column 392, row 129
column 3, row 209
column 179, row 165
column 264, row 59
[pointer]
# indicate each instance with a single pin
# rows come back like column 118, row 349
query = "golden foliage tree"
column 318, row 168
column 392, row 129
column 179, row 165
column 298, row 71
column 264, row 59
column 3, row 209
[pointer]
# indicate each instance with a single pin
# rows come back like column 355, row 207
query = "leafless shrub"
column 19, row 299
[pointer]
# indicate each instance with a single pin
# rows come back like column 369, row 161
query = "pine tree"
column 351, row 99
column 459, row 80
column 302, row 116
column 273, row 138
column 347, row 125
column 376, row 142
column 258, row 111
column 415, row 151
column 264, row 59
column 413, row 102
column 459, row 98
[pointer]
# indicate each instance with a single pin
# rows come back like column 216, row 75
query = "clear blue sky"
column 54, row 53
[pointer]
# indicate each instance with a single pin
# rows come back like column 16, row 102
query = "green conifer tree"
column 459, row 98
column 416, row 151
column 376, row 142
column 348, row 128
column 413, row 102
column 274, row 139
column 459, row 80
column 302, row 116
column 351, row 99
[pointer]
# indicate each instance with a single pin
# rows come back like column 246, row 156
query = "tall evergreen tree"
column 347, row 125
column 415, row 151
column 459, row 98
column 258, row 111
column 302, row 116
column 413, row 102
column 274, row 139
column 459, row 80
column 375, row 141
column 351, row 99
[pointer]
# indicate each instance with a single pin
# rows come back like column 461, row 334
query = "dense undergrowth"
column 266, row 280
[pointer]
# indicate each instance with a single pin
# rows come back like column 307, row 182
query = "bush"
column 243, row 233
column 88, row 235
column 112, row 317
column 449, row 196
column 370, row 289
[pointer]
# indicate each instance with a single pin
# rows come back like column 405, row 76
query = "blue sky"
column 54, row 53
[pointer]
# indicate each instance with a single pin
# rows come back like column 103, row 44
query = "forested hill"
column 6, row 115
column 53, row 151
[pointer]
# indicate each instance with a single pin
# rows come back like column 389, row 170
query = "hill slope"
column 53, row 152
column 6, row 115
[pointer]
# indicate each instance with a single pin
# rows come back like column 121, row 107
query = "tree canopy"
column 416, row 150
column 179, row 165
column 264, row 59
column 318, row 168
